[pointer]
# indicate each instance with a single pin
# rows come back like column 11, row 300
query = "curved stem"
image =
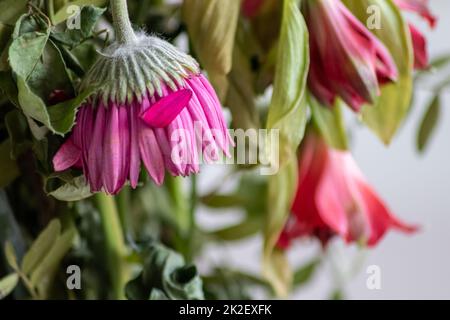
column 115, row 249
column 122, row 24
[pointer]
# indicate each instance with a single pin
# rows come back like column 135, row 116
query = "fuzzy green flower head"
column 133, row 70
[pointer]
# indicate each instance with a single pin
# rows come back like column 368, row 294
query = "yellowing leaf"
column 10, row 255
column 46, row 268
column 7, row 284
column 287, row 113
column 330, row 123
column 41, row 246
column 212, row 28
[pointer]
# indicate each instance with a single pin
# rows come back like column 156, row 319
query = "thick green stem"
column 50, row 9
column 122, row 25
column 179, row 204
column 115, row 249
column 123, row 205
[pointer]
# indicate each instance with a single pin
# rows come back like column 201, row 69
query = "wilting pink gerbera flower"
column 333, row 198
column 347, row 60
column 418, row 39
column 153, row 106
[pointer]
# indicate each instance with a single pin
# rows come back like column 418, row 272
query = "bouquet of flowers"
column 128, row 128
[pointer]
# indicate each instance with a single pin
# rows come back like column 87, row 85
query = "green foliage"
column 428, row 124
column 88, row 18
column 7, row 284
column 287, row 113
column 40, row 262
column 165, row 276
column 330, row 123
column 259, row 66
column 215, row 47
column 8, row 166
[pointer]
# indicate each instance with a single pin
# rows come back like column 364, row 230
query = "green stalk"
column 123, row 205
column 50, row 10
column 115, row 249
column 122, row 25
column 179, row 204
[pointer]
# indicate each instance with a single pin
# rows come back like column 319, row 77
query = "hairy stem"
column 122, row 24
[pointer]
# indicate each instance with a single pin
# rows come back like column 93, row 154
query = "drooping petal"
column 333, row 196
column 67, row 156
column 135, row 158
column 379, row 217
column 420, row 48
column 163, row 112
column 113, row 162
column 93, row 148
column 420, row 7
column 151, row 154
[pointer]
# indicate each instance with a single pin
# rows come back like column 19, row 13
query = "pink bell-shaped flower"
column 347, row 60
column 334, row 198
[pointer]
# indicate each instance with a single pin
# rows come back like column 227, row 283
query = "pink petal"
column 379, row 216
column 420, row 48
column 418, row 6
column 67, row 156
column 93, row 145
column 135, row 160
column 164, row 111
column 113, row 153
column 333, row 197
column 151, row 154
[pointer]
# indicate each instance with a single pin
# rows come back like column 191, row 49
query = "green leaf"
column 282, row 188
column 9, row 88
column 26, row 51
column 10, row 255
column 219, row 201
column 48, row 265
column 428, row 123
column 8, row 284
column 241, row 94
column 11, row 10
column 305, row 273
column 58, row 118
column 49, row 74
column 74, row 190
column 330, row 123
column 69, row 9
column 287, row 113
column 17, row 127
column 166, row 272
column 8, row 167
column 237, row 232
column 63, row 114
column 387, row 114
column 41, row 246
column 5, row 38
column 89, row 16
column 40, row 69
column 214, row 47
